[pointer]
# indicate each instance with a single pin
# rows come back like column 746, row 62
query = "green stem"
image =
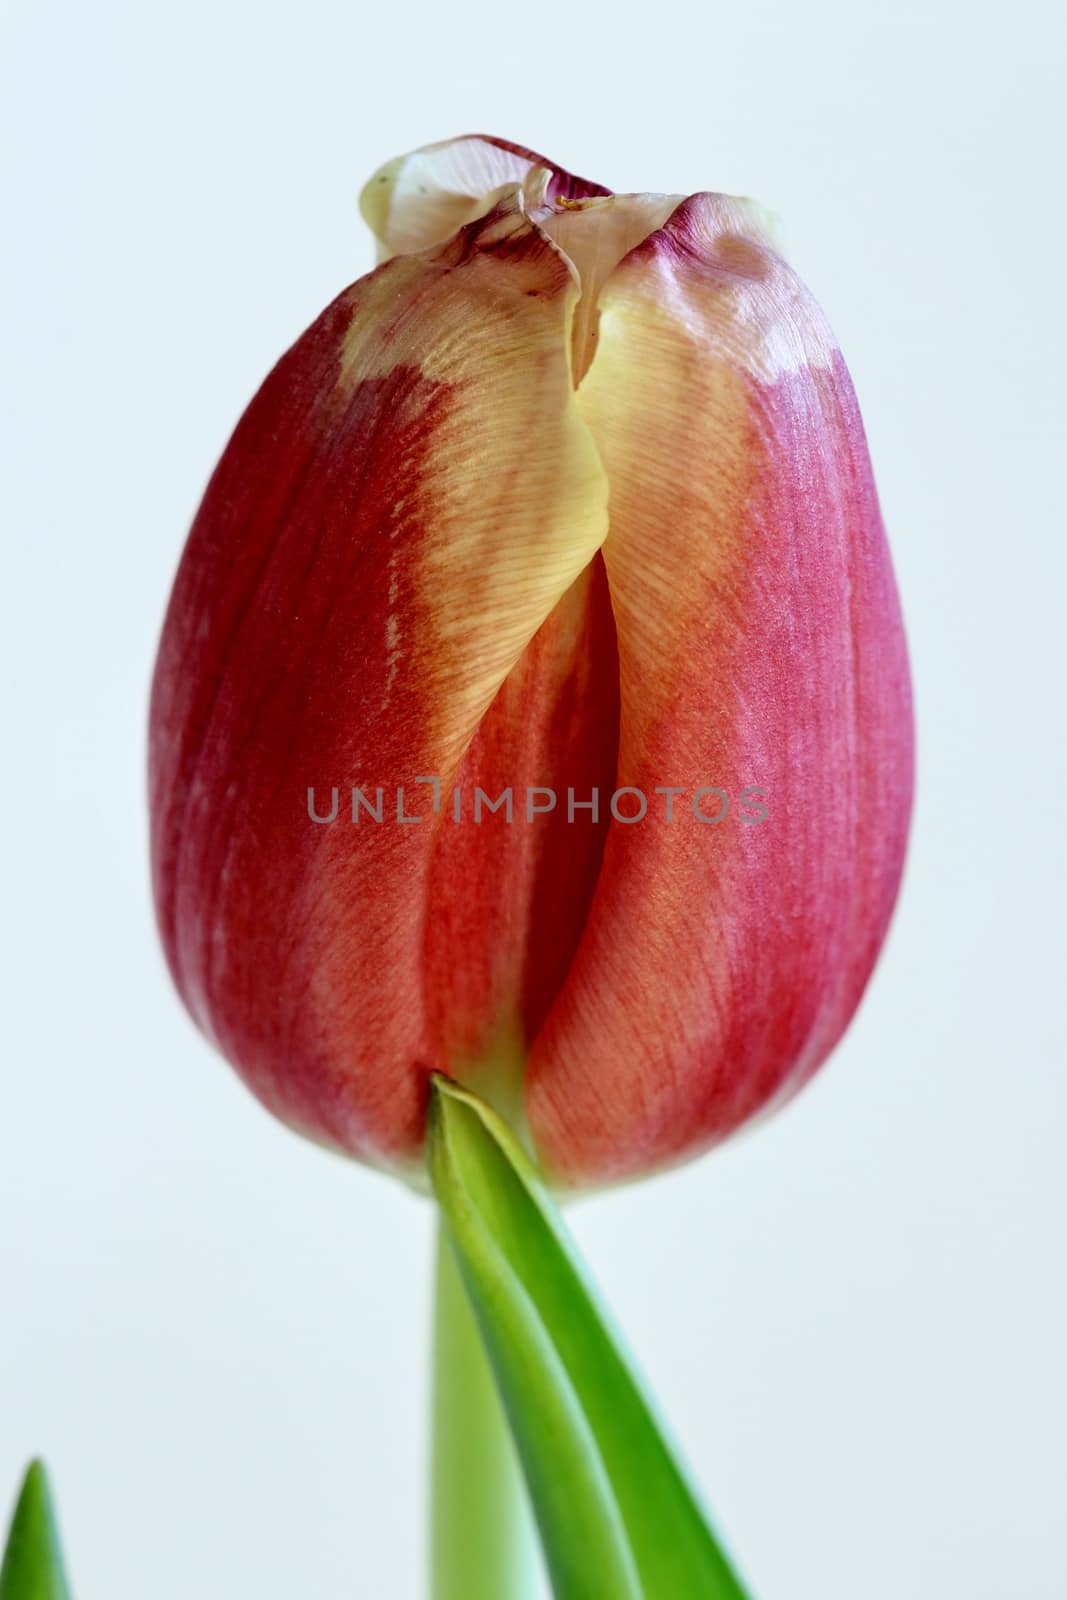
column 483, row 1542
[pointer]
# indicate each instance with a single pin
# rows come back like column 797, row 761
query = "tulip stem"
column 483, row 1543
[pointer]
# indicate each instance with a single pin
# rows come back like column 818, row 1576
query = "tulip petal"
column 511, row 887
column 422, row 198
column 595, row 234
column 403, row 505
column 760, row 645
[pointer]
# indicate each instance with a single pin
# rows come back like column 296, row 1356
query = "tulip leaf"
column 616, row 1512
column 33, row 1561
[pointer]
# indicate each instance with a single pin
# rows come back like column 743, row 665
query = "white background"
column 854, row 1317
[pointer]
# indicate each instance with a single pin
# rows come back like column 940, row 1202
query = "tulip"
column 569, row 497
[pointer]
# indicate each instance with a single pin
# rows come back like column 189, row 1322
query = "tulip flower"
column 568, row 501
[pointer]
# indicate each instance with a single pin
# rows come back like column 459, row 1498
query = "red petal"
column 401, row 508
column 760, row 644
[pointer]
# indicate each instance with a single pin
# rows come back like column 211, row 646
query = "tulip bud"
column 546, row 571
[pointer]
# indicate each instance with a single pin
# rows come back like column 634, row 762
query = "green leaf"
column 618, row 1517
column 33, row 1560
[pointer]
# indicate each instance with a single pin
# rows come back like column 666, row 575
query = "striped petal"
column 760, row 646
column 404, row 504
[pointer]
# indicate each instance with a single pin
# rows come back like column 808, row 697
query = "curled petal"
column 420, row 199
column 760, row 647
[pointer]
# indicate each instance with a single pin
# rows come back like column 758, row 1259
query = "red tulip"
column 569, row 495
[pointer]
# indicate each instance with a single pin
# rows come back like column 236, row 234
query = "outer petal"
column 422, row 198
column 760, row 644
column 402, row 506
